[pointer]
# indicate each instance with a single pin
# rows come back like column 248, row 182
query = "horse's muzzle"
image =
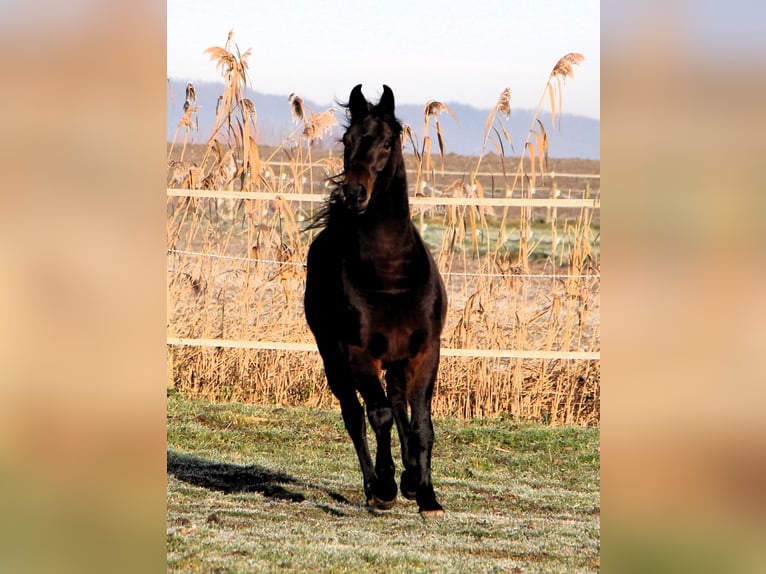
column 356, row 196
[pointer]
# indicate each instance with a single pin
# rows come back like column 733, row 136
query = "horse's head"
column 372, row 138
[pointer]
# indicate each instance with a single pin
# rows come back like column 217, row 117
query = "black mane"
column 333, row 208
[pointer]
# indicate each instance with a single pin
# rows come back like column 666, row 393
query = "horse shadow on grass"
column 234, row 478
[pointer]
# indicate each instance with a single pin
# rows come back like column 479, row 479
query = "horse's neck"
column 388, row 240
column 391, row 204
column 395, row 236
column 388, row 215
column 386, row 257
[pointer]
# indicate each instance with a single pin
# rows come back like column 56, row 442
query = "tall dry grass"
column 235, row 266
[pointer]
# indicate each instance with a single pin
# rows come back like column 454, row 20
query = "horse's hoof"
column 429, row 507
column 377, row 504
column 433, row 514
column 409, row 490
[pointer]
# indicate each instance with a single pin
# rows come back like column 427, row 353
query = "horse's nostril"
column 356, row 192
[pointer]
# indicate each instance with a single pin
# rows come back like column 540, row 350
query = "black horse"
column 375, row 301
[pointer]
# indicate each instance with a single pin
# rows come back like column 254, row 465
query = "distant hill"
column 579, row 136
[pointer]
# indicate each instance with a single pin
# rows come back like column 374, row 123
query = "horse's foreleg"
column 354, row 420
column 382, row 494
column 341, row 383
column 395, row 387
column 421, row 376
column 381, row 488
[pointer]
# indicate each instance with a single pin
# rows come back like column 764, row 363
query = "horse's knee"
column 422, row 428
column 353, row 416
column 381, row 418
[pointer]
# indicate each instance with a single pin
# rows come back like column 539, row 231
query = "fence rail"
column 593, row 203
column 445, row 352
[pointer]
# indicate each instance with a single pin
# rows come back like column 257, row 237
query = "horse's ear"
column 357, row 104
column 386, row 103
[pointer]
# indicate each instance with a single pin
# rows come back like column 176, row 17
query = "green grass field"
column 267, row 489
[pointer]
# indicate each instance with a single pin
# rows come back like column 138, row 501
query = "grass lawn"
column 268, row 489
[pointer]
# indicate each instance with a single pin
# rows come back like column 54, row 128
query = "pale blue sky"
column 449, row 50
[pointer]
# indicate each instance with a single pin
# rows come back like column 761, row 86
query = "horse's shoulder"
column 323, row 244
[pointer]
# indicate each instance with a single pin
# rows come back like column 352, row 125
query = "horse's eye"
column 387, row 145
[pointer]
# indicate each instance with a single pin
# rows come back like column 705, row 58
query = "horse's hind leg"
column 421, row 375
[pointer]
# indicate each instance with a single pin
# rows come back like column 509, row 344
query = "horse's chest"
column 392, row 333
column 387, row 322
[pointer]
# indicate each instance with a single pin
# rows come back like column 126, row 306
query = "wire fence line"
column 447, row 273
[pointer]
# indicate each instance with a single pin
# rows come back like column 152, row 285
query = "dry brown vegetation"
column 518, row 278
